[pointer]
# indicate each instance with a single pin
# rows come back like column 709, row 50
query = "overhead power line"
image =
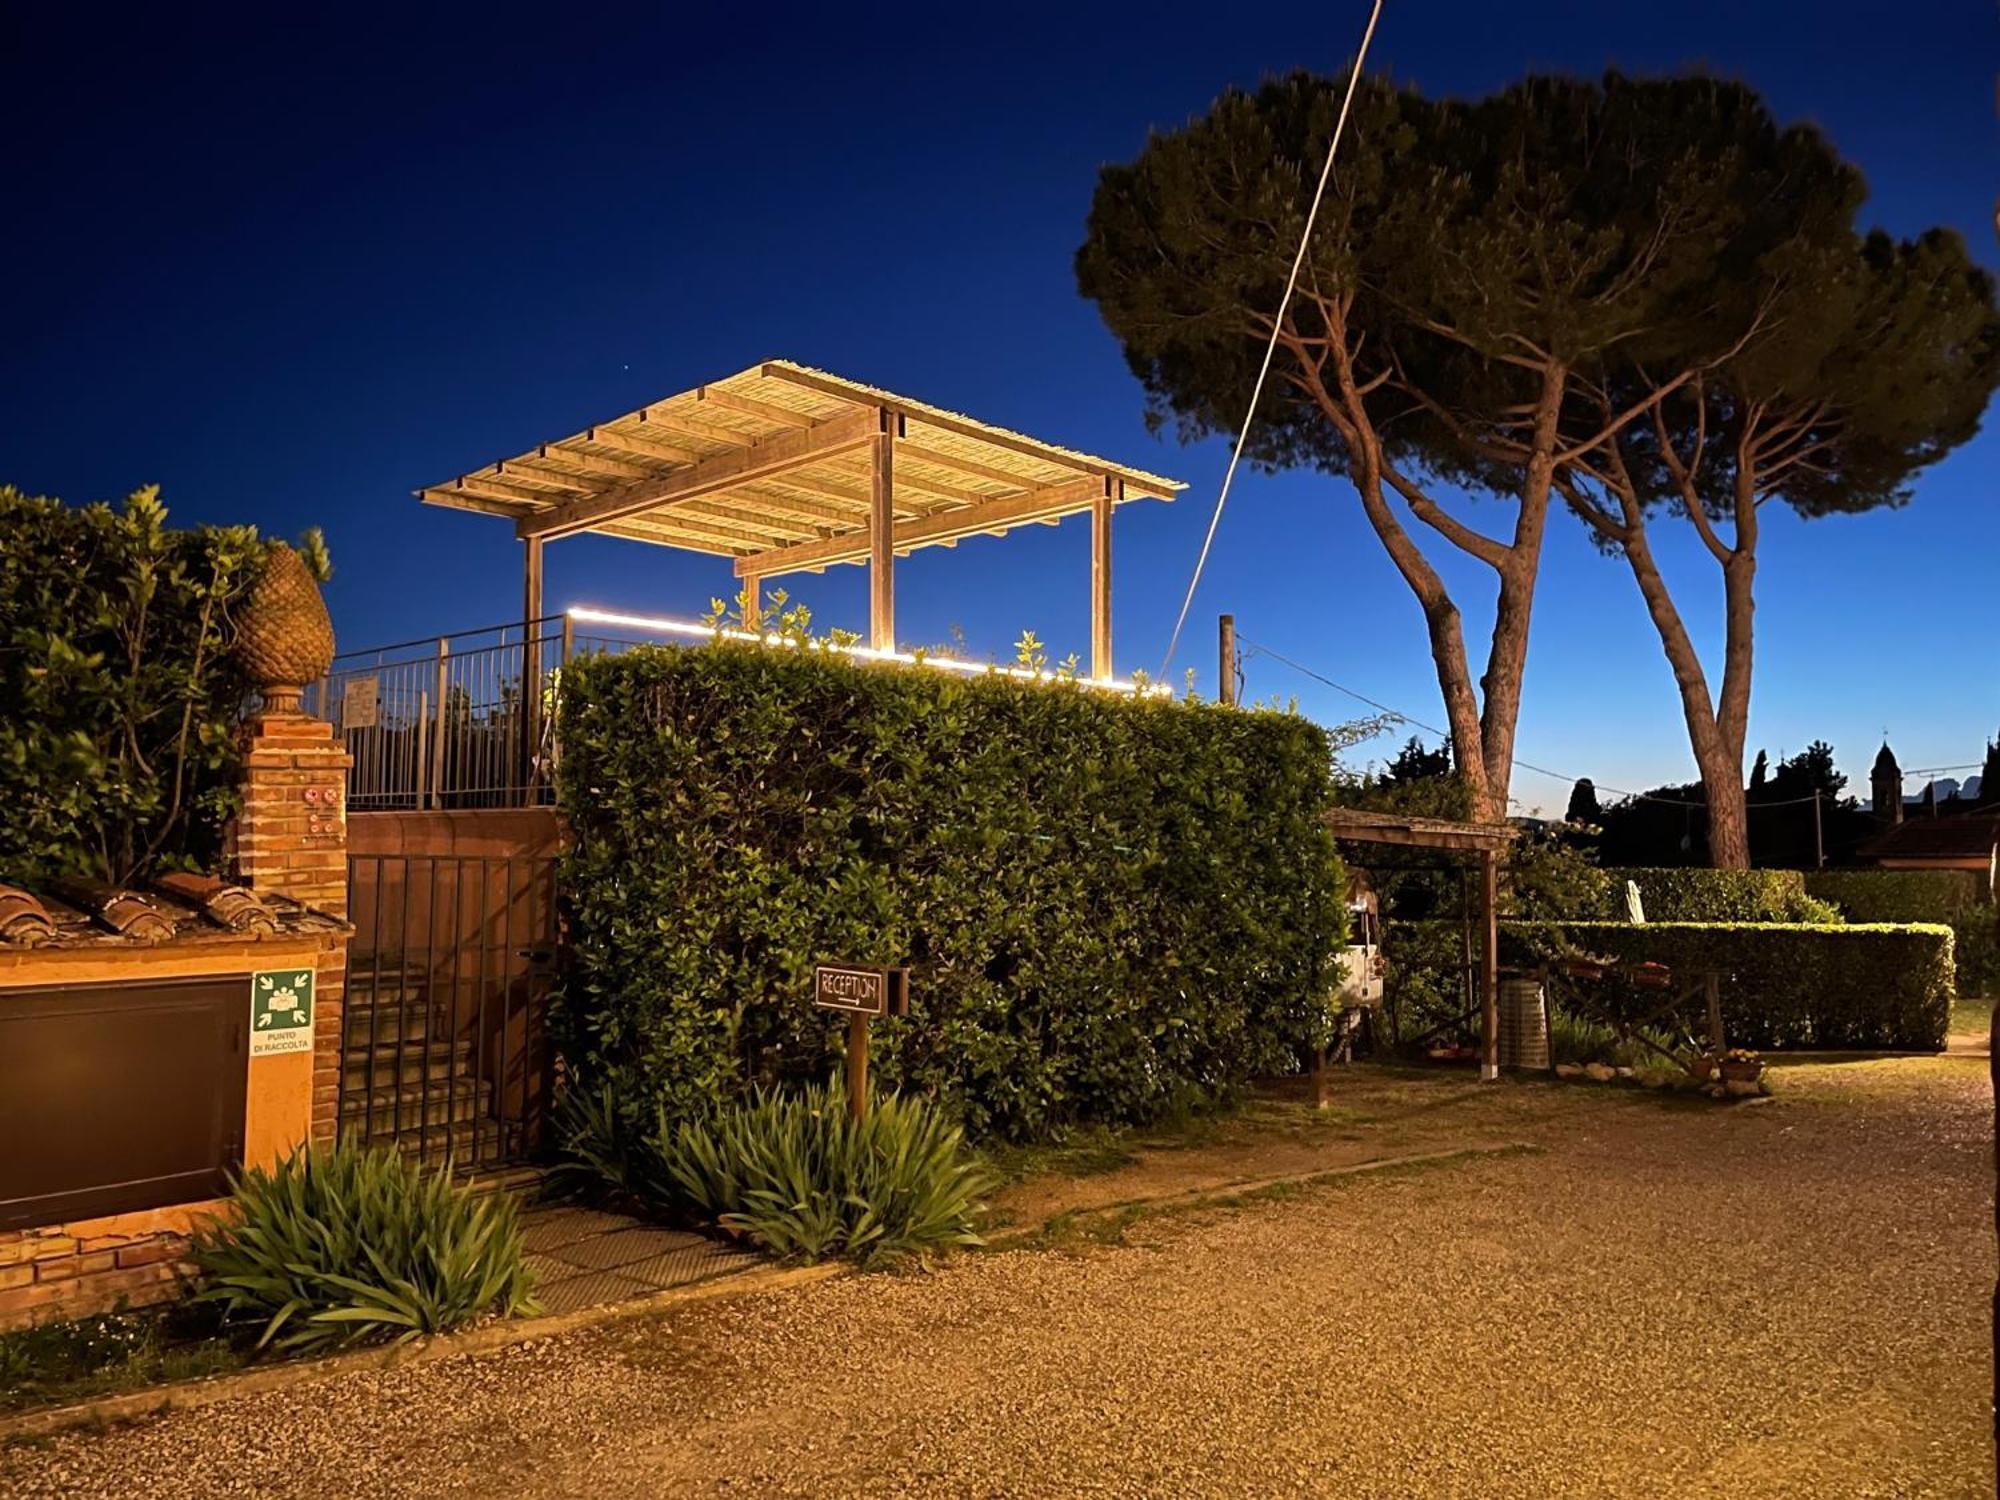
column 1271, row 345
column 1253, row 648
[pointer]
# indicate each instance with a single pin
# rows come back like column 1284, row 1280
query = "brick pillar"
column 291, row 838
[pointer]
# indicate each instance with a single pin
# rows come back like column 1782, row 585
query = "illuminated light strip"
column 694, row 630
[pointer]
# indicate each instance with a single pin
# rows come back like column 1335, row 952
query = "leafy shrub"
column 1111, row 908
column 1958, row 898
column 796, row 1176
column 1696, row 894
column 1585, row 1039
column 74, row 1359
column 118, row 747
column 334, row 1246
column 1860, row 986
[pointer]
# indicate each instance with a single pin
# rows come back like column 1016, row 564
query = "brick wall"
column 292, row 834
column 292, row 838
column 92, row 1265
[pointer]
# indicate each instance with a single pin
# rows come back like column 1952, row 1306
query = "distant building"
column 1953, row 836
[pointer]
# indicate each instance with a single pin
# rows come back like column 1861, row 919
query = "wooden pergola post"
column 1100, row 578
column 1489, row 964
column 882, row 534
column 753, row 601
column 531, row 656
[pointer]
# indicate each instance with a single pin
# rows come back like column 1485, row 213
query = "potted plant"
column 1740, row 1069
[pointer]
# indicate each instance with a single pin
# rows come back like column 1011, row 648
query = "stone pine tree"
column 1865, row 360
column 1476, row 270
column 1989, row 773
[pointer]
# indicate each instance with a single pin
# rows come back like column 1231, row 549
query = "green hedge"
column 1860, row 986
column 118, row 740
column 1699, row 894
column 1112, row 908
column 1957, row 898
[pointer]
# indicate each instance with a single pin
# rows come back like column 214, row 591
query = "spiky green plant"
column 794, row 1175
column 335, row 1246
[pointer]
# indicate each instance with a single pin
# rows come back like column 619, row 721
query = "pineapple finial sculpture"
column 284, row 639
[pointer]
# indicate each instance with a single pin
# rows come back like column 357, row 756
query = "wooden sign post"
column 863, row 992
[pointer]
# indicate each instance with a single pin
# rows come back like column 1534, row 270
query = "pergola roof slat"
column 777, row 456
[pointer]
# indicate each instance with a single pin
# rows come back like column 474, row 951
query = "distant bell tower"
column 1886, row 782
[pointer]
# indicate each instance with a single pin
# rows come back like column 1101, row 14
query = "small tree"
column 1416, row 762
column 118, row 745
column 1583, row 806
column 1989, row 773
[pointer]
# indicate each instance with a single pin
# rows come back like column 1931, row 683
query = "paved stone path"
column 1669, row 1299
column 582, row 1258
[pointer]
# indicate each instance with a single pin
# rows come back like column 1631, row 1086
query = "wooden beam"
column 643, row 447
column 488, row 497
column 994, row 517
column 944, row 422
column 714, row 432
column 882, row 534
column 526, row 471
column 1489, row 965
column 784, row 416
column 593, row 463
column 531, row 661
column 1100, row 582
column 531, row 578
column 970, row 466
column 753, row 602
column 775, row 455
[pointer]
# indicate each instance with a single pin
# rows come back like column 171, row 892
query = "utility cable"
column 1271, row 346
column 1252, row 648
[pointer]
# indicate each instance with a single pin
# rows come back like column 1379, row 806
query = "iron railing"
column 444, row 1040
column 453, row 721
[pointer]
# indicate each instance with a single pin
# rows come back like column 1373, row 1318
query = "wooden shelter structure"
column 787, row 469
column 1490, row 842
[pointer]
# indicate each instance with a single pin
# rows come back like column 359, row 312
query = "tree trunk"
column 1718, row 752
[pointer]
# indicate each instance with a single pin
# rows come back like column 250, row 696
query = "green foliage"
column 1957, row 898
column 1585, row 1039
column 792, row 1173
column 331, row 1247
column 75, row 1359
column 1112, row 908
column 1862, row 986
column 1697, row 894
column 118, row 748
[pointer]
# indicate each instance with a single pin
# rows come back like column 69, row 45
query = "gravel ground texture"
column 1668, row 1298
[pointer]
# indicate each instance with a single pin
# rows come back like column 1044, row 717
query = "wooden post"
column 753, row 602
column 882, row 535
column 437, row 731
column 1100, row 579
column 1489, row 964
column 1225, row 691
column 857, row 1066
column 1322, row 1094
column 1711, row 982
column 531, row 658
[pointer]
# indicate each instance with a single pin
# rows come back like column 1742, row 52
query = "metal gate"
column 445, row 1052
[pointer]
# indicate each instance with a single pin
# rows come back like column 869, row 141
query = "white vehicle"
column 1360, row 964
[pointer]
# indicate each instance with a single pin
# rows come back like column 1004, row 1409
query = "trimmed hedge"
column 1860, row 986
column 1957, row 898
column 1699, row 894
column 1112, row 908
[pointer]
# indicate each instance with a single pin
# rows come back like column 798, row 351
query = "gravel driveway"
column 1666, row 1300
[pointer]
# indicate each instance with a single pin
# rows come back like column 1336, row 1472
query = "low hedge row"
column 1869, row 986
column 1111, row 908
column 1698, row 894
column 1958, row 898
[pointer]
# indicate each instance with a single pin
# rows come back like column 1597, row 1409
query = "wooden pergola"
column 1490, row 841
column 786, row 469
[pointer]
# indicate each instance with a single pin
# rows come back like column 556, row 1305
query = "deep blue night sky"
column 292, row 269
